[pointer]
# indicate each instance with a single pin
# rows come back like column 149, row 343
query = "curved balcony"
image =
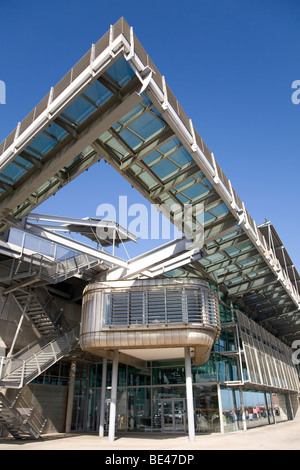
column 150, row 314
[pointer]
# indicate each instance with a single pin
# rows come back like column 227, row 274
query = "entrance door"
column 172, row 416
column 78, row 414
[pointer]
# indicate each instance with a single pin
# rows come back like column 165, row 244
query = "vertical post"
column 70, row 397
column 243, row 409
column 273, row 408
column 189, row 394
column 19, row 326
column 103, row 390
column 113, row 399
column 220, row 409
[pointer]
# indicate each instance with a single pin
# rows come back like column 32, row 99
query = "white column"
column 220, row 409
column 113, row 399
column 189, row 394
column 243, row 409
column 103, row 390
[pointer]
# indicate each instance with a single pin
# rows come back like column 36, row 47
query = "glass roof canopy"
column 114, row 104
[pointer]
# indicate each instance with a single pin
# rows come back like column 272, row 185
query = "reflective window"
column 121, row 71
column 43, row 144
column 256, row 409
column 207, row 417
column 97, row 93
column 79, row 110
column 146, row 125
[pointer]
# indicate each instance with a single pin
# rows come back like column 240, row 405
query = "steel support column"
column 113, row 399
column 220, row 409
column 103, row 390
column 189, row 394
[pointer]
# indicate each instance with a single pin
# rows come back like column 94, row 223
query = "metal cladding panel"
column 149, row 314
column 269, row 361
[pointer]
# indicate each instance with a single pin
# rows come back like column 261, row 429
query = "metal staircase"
column 24, row 279
column 40, row 308
column 26, row 282
column 33, row 268
column 21, row 419
column 34, row 359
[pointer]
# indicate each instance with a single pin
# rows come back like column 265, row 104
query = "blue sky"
column 230, row 63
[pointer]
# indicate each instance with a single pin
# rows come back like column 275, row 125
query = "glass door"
column 78, row 414
column 167, row 416
column 171, row 415
column 179, row 415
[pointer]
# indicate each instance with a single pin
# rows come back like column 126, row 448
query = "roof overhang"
column 115, row 105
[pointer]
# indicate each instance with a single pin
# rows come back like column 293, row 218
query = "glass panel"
column 13, row 171
column 121, row 71
column 151, row 157
column 98, row 93
column 270, row 409
column 78, row 414
column 207, row 417
column 43, row 144
column 230, row 421
column 195, row 191
column 146, row 125
column 119, row 150
column 131, row 139
column 168, row 375
column 256, row 409
column 238, row 409
column 148, row 179
column 179, row 416
column 139, row 409
column 222, row 209
column 168, row 423
column 93, row 417
column 79, row 110
column 23, row 162
column 181, row 157
column 164, row 169
column 170, row 145
column 138, row 376
column 57, row 131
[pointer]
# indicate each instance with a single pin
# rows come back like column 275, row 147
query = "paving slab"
column 282, row 436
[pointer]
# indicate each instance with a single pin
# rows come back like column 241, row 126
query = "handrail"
column 51, row 270
column 25, row 413
column 14, row 363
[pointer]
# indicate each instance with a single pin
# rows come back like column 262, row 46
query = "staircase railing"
column 28, row 419
column 34, row 359
column 43, row 267
column 50, row 307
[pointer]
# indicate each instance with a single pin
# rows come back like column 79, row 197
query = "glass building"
column 191, row 337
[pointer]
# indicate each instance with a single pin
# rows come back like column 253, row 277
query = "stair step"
column 40, row 360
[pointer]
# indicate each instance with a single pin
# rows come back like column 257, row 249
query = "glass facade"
column 153, row 399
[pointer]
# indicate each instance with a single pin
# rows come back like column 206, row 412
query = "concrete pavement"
column 282, row 436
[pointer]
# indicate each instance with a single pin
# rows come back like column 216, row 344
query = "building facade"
column 192, row 337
